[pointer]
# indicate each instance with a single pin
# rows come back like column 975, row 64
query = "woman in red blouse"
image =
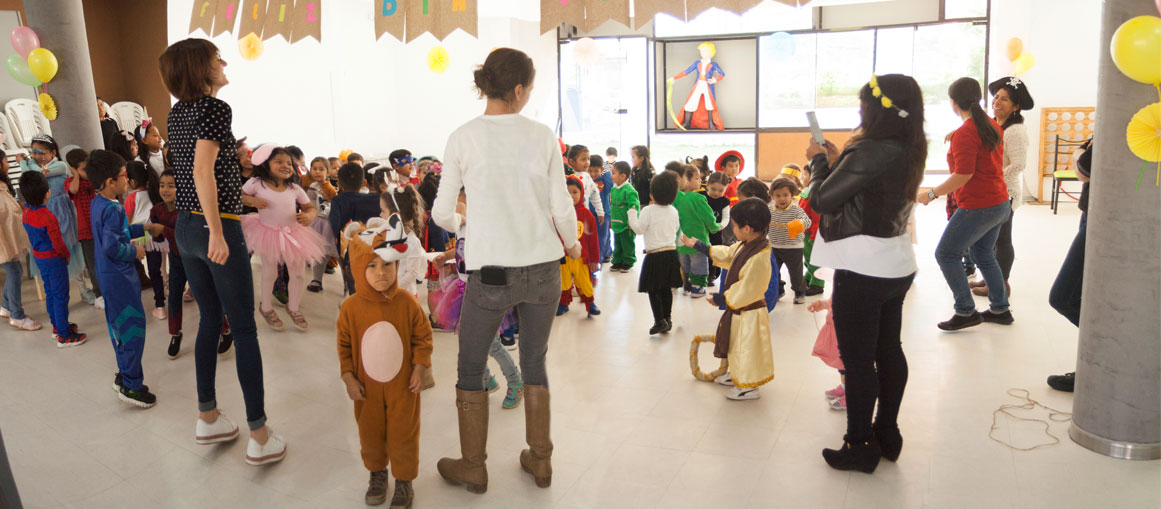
column 977, row 180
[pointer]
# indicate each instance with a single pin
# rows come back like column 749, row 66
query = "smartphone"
column 815, row 130
column 493, row 276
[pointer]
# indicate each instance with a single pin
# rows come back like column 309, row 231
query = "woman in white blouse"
column 523, row 222
column 1010, row 97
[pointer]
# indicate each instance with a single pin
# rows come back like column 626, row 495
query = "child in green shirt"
column 624, row 197
column 697, row 222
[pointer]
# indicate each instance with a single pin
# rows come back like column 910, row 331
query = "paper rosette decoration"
column 47, row 106
column 1144, row 133
column 586, row 51
column 251, row 46
column 437, row 59
column 344, row 154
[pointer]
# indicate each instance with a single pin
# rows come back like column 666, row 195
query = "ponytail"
column 984, row 127
column 966, row 94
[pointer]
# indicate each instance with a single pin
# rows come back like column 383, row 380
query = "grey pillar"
column 61, row 27
column 1117, row 408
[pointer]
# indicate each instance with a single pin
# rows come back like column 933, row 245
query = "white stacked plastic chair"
column 26, row 120
column 127, row 114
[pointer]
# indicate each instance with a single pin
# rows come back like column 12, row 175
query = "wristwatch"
column 931, row 194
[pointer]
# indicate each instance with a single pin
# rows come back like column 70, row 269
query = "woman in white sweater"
column 1010, row 97
column 523, row 222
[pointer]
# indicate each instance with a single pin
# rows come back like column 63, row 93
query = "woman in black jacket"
column 864, row 197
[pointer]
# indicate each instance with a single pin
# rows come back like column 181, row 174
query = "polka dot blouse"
column 208, row 118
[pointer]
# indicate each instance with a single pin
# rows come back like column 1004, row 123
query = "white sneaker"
column 99, row 303
column 159, row 313
column 737, row 394
column 25, row 324
column 221, row 430
column 273, row 451
column 4, row 313
column 726, row 380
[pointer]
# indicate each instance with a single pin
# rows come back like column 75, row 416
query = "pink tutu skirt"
column 291, row 245
column 323, row 227
column 446, row 301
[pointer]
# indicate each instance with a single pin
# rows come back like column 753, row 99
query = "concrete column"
column 61, row 27
column 1117, row 407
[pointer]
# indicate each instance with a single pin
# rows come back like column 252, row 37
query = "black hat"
column 1017, row 90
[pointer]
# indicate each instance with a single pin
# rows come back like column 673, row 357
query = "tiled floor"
column 632, row 428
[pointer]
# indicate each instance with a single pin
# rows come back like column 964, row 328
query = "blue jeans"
column 975, row 230
column 695, row 266
column 228, row 287
column 1065, row 294
column 14, row 272
column 504, row 359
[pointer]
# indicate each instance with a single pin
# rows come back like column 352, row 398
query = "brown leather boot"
column 978, row 284
column 472, row 410
column 537, row 459
column 982, row 291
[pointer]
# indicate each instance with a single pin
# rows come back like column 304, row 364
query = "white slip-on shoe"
column 221, row 430
column 737, row 394
column 726, row 380
column 273, row 451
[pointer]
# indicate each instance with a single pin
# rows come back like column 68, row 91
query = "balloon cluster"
column 1021, row 62
column 1136, row 51
column 33, row 66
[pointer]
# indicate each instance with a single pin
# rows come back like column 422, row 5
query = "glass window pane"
column 765, row 17
column 844, row 66
column 603, row 93
column 943, row 54
column 785, row 79
column 667, row 147
column 955, row 9
column 894, row 48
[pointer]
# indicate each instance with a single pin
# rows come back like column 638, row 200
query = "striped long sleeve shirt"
column 778, row 234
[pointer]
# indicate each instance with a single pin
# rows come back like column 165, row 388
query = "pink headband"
column 262, row 153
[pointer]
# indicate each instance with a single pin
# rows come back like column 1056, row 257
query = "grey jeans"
column 534, row 291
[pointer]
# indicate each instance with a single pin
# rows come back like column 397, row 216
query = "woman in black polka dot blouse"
column 209, row 236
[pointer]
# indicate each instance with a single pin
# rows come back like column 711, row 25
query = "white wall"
column 1064, row 36
column 372, row 96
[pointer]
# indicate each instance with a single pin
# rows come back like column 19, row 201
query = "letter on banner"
column 694, row 8
column 202, row 16
column 225, row 16
column 307, row 20
column 422, row 16
column 388, row 18
column 600, row 11
column 279, row 16
column 453, row 14
column 253, row 16
column 555, row 12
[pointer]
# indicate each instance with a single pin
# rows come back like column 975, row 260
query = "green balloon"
column 18, row 68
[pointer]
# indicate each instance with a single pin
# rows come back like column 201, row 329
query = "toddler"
column 787, row 222
column 320, row 191
column 13, row 245
column 715, row 196
column 138, row 203
column 384, row 347
column 697, row 222
column 826, row 349
column 624, row 199
column 80, row 191
column 578, row 271
column 117, row 270
column 743, row 333
column 46, row 161
column 51, row 257
column 577, row 163
column 405, row 202
column 659, row 223
column 149, row 147
column 279, row 234
column 350, row 205
column 402, row 166
column 814, row 284
column 610, row 158
column 603, row 179
column 731, row 163
column 794, row 173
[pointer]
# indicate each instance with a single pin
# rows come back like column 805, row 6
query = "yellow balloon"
column 1015, row 48
column 437, row 59
column 43, row 64
column 1136, row 49
column 1023, row 63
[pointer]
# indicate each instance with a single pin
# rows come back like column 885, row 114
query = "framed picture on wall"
column 706, row 85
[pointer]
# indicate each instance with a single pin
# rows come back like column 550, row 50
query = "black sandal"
column 314, row 286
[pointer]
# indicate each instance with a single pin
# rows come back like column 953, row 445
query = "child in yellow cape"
column 743, row 334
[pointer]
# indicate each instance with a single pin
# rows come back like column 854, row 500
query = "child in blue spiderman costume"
column 51, row 255
column 116, row 258
column 603, row 178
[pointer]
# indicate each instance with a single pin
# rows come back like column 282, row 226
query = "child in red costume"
column 578, row 271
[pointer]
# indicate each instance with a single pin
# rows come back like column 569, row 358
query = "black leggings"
column 661, row 302
column 1005, row 251
column 868, row 314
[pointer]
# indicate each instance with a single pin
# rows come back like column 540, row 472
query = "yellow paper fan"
column 251, row 46
column 437, row 59
column 47, row 106
column 1144, row 133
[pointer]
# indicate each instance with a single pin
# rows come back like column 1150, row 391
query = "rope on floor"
column 1054, row 415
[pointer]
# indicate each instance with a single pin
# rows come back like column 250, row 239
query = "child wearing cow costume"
column 384, row 344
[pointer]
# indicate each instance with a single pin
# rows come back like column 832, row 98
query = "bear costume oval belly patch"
column 382, row 352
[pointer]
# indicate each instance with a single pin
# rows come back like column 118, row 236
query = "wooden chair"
column 1062, row 173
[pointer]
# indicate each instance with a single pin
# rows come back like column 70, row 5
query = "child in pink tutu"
column 280, row 231
column 826, row 348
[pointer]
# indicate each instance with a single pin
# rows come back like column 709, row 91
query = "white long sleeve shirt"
column 511, row 170
column 659, row 224
column 592, row 195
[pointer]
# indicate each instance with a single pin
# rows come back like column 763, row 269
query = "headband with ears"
column 262, row 153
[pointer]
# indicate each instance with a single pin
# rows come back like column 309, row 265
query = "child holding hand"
column 659, row 223
column 698, row 222
column 826, row 349
column 578, row 271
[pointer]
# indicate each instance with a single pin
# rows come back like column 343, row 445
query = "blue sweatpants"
column 55, row 274
column 122, row 292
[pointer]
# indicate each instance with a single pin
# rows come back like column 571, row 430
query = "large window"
column 665, row 147
column 943, row 54
column 603, row 93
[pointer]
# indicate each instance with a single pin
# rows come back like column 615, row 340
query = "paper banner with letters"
column 307, row 20
column 421, row 17
column 253, row 18
column 388, row 16
column 453, row 14
column 225, row 16
column 202, row 17
column 600, row 11
column 695, row 7
column 555, row 12
column 279, row 14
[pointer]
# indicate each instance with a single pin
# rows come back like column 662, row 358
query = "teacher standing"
column 864, row 198
column 209, row 236
column 510, row 168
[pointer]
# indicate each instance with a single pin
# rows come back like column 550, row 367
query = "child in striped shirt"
column 787, row 222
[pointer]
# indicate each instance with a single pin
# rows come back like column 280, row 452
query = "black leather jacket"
column 864, row 193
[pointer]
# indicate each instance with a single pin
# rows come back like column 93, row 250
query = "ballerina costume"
column 275, row 235
column 445, row 303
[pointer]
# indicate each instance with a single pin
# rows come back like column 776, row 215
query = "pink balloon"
column 24, row 40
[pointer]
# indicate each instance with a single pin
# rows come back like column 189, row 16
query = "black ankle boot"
column 862, row 456
column 890, row 442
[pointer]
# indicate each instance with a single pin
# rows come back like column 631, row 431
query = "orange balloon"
column 795, row 228
column 1015, row 48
